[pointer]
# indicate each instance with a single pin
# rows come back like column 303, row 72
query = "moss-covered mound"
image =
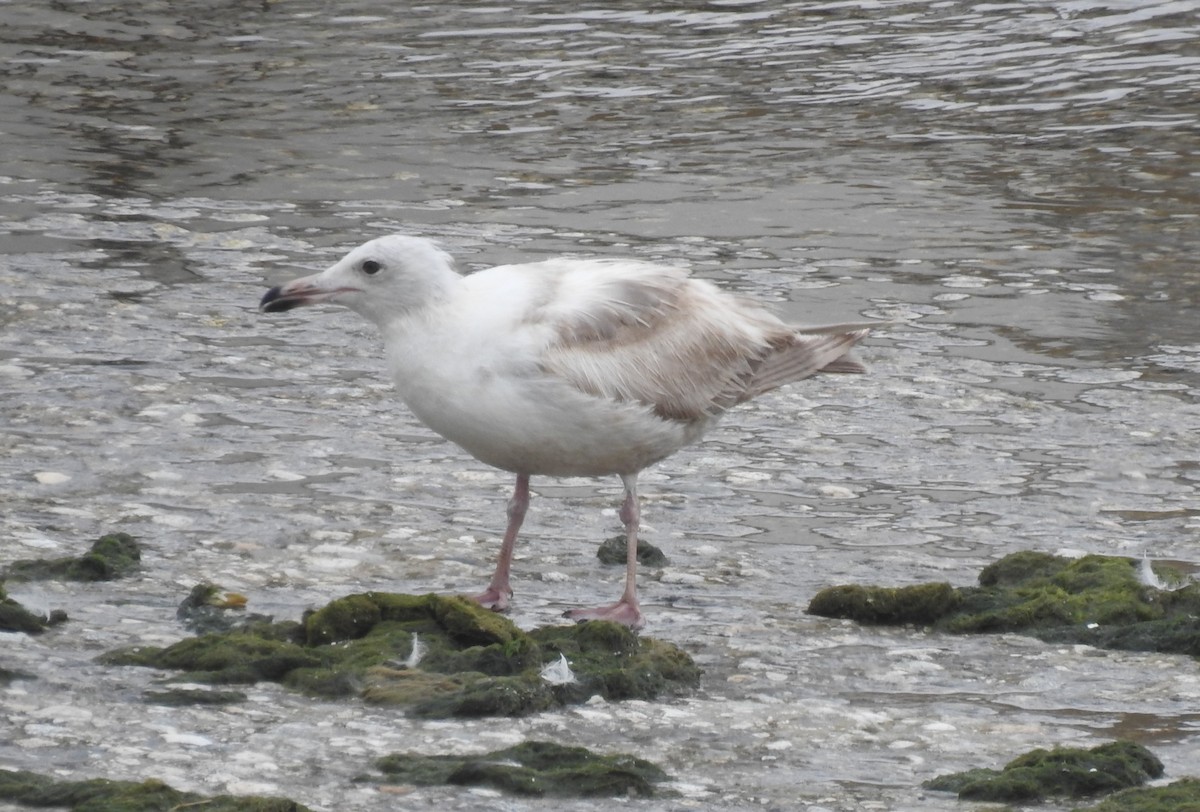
column 16, row 618
column 437, row 656
column 102, row 795
column 180, row 697
column 110, row 557
column 615, row 551
column 1179, row 796
column 534, row 768
column 1096, row 599
column 1064, row 772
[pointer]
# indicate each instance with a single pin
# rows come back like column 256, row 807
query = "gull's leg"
column 499, row 591
column 625, row 610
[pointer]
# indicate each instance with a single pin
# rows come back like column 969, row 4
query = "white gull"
column 567, row 367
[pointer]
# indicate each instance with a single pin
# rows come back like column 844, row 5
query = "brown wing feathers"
column 681, row 346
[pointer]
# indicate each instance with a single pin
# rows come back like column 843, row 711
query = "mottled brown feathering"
column 678, row 345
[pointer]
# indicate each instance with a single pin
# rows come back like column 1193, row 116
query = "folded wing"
column 632, row 331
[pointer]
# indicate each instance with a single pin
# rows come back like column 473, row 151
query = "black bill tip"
column 273, row 301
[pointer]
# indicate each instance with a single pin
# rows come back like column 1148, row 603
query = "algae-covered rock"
column 1178, row 796
column 610, row 660
column 1064, row 772
column 110, row 556
column 1020, row 567
column 180, row 697
column 16, row 618
column 921, row 604
column 1096, row 599
column 243, row 656
column 103, row 795
column 435, row 656
column 348, row 618
column 614, row 551
column 1095, row 589
column 8, row 675
column 534, row 768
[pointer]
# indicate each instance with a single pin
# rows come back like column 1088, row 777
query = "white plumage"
column 568, row 367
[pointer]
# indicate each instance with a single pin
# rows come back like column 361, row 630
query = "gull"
column 567, row 367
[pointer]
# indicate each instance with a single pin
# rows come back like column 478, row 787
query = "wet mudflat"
column 1014, row 183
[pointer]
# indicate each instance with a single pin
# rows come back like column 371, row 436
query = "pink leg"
column 625, row 610
column 499, row 591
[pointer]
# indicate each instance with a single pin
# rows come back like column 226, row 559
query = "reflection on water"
column 1014, row 183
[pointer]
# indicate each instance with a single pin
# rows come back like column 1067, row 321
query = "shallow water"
column 1014, row 182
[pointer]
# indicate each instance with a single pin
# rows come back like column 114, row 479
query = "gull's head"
column 380, row 280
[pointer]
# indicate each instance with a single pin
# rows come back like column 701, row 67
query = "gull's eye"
column 370, row 267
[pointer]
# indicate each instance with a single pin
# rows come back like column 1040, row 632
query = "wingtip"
column 846, row 365
column 859, row 329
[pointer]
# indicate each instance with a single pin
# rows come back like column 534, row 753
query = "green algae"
column 433, row 655
column 244, row 656
column 111, row 556
column 614, row 551
column 1098, row 600
column 1064, row 772
column 182, row 697
column 16, row 618
column 532, row 769
column 1095, row 589
column 921, row 604
column 103, row 795
column 1178, row 796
